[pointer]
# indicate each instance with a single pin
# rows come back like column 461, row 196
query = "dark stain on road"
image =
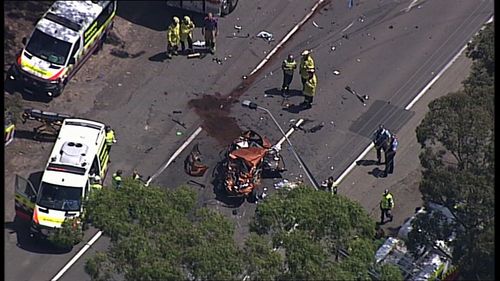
column 214, row 111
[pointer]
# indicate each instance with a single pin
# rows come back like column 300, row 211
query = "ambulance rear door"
column 25, row 198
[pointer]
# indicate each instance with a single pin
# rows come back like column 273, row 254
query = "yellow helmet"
column 176, row 19
column 187, row 19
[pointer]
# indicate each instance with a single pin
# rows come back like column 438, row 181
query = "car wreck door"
column 25, row 198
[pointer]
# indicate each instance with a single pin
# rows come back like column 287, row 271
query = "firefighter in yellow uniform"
column 187, row 27
column 306, row 64
column 173, row 37
column 309, row 89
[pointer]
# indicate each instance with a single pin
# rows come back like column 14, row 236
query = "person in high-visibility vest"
column 116, row 181
column 306, row 65
column 288, row 66
column 309, row 89
column 173, row 37
column 186, row 33
column 386, row 205
column 110, row 137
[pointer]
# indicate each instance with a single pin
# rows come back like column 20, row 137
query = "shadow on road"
column 24, row 241
column 30, row 135
column 12, row 88
column 155, row 15
column 376, row 172
column 366, row 162
column 160, row 57
column 277, row 92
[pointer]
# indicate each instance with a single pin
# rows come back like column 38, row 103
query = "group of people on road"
column 385, row 141
column 307, row 75
column 181, row 33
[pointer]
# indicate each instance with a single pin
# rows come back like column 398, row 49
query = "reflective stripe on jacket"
column 310, row 86
column 305, row 65
column 289, row 66
column 387, row 202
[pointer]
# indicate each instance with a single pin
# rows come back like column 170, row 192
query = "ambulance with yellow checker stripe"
column 63, row 39
column 78, row 161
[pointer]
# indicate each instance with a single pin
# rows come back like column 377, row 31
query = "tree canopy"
column 457, row 137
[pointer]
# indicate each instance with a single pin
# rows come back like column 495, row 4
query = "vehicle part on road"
column 194, row 55
column 199, row 43
column 336, row 72
column 360, row 98
column 62, row 41
column 182, row 124
column 193, row 165
column 234, row 35
column 196, row 183
column 266, row 36
column 176, row 112
column 78, row 156
column 248, row 156
column 178, row 133
column 51, row 121
column 316, row 25
column 237, row 27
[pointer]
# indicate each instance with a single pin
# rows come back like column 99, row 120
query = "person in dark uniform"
column 390, row 154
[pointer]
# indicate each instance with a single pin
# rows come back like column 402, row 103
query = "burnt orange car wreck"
column 248, row 157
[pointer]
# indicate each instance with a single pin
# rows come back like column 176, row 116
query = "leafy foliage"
column 310, row 227
column 68, row 235
column 457, row 136
column 160, row 235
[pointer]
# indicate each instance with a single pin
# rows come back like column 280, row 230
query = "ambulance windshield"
column 48, row 48
column 59, row 197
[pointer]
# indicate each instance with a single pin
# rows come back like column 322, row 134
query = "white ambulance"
column 63, row 39
column 79, row 157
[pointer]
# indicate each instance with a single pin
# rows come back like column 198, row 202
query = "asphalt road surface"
column 382, row 49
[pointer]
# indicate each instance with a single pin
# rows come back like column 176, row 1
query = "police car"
column 79, row 156
column 63, row 39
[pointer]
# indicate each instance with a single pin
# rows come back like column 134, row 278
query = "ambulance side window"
column 75, row 49
column 105, row 13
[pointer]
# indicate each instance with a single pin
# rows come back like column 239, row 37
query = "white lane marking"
column 77, row 256
column 412, row 4
column 424, row 90
column 410, row 105
column 349, row 26
column 176, row 153
column 299, row 122
column 290, row 33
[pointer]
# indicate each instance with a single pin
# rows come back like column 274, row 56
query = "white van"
column 63, row 39
column 80, row 155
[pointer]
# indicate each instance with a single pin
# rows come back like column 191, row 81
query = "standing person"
column 329, row 186
column 187, row 27
column 386, row 205
column 306, row 65
column 173, row 37
column 309, row 89
column 116, row 181
column 380, row 138
column 210, row 30
column 390, row 154
column 288, row 66
column 110, row 137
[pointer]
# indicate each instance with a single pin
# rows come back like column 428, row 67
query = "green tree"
column 161, row 235
column 457, row 137
column 310, row 227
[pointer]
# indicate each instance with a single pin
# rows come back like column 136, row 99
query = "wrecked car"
column 248, row 157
